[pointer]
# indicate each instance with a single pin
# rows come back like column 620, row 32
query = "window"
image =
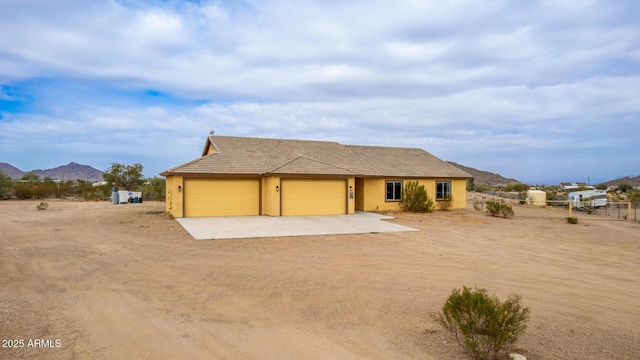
column 443, row 190
column 394, row 190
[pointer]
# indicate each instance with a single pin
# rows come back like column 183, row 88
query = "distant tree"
column 470, row 184
column 480, row 187
column 5, row 185
column 516, row 186
column 127, row 177
column 154, row 188
column 31, row 177
column 602, row 186
column 625, row 187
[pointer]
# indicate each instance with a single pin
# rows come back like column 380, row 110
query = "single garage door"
column 313, row 197
column 229, row 197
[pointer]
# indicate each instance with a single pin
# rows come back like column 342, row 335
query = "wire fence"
column 613, row 210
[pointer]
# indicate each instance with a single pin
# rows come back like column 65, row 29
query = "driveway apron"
column 232, row 227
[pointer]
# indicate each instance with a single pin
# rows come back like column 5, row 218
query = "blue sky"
column 541, row 91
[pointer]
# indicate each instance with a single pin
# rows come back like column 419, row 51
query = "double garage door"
column 236, row 197
column 313, row 197
column 221, row 197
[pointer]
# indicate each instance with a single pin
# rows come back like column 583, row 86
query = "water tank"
column 115, row 196
column 536, row 197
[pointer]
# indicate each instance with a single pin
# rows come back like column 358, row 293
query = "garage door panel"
column 229, row 197
column 313, row 197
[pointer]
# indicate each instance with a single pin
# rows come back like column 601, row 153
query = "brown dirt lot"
column 101, row 281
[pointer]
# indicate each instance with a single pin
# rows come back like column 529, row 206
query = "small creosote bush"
column 572, row 220
column 415, row 198
column 483, row 326
column 499, row 208
column 42, row 206
column 478, row 205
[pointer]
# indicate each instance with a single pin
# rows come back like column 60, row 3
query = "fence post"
column 629, row 210
column 570, row 209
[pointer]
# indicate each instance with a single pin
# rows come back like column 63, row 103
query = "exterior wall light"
column 179, row 188
column 277, row 188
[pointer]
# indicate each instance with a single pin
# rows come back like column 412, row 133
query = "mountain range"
column 484, row 177
column 71, row 171
column 633, row 181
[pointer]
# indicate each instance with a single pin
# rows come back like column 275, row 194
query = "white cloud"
column 455, row 77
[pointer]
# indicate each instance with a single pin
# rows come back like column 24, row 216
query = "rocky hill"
column 484, row 177
column 11, row 171
column 633, row 181
column 71, row 171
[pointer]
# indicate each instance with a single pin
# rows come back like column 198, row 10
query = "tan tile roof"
column 405, row 162
column 259, row 156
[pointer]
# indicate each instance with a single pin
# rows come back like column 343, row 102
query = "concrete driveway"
column 234, row 227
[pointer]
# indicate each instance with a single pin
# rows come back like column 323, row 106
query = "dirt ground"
column 91, row 280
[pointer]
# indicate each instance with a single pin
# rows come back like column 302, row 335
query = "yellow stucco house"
column 276, row 177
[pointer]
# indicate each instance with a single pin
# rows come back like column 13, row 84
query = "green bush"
column 42, row 206
column 483, row 326
column 625, row 187
column 415, row 198
column 572, row 220
column 499, row 208
column 445, row 204
column 516, row 186
column 602, row 186
column 5, row 185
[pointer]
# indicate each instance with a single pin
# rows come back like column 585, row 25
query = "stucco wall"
column 374, row 193
column 271, row 196
column 368, row 194
column 351, row 196
column 173, row 196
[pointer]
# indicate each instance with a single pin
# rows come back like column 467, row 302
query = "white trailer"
column 125, row 196
column 588, row 198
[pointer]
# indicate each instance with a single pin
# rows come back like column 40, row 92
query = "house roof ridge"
column 312, row 159
column 283, row 164
column 211, row 138
column 385, row 147
column 186, row 164
column 361, row 159
column 277, row 139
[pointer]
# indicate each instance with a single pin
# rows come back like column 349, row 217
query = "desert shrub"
column 478, row 205
column 625, row 187
column 5, row 185
column 42, row 206
column 516, row 186
column 445, row 204
column 499, row 208
column 480, row 187
column 572, row 220
column 483, row 326
column 415, row 198
column 25, row 191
